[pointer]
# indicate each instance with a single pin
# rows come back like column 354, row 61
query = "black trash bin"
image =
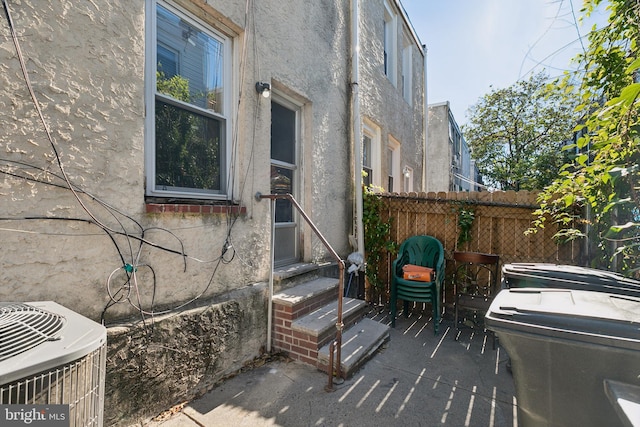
column 564, row 345
column 538, row 275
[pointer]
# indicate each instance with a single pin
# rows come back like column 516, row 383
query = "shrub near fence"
column 498, row 227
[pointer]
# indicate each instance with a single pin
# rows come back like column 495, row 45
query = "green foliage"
column 466, row 215
column 604, row 178
column 376, row 236
column 516, row 134
column 176, row 87
column 187, row 144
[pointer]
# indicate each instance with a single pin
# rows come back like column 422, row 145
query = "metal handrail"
column 336, row 345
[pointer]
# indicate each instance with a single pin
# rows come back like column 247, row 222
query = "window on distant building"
column 456, row 137
column 390, row 42
column 452, row 130
column 188, row 101
column 407, row 71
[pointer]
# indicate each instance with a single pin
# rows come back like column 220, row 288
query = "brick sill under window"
column 192, row 208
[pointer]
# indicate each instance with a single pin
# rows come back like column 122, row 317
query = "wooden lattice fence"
column 501, row 219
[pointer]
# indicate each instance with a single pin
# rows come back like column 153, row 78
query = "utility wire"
column 108, row 207
column 36, row 104
column 579, row 39
column 555, row 18
column 575, row 24
column 124, row 292
column 470, row 181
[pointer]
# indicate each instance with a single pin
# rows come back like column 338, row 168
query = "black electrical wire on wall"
column 129, row 256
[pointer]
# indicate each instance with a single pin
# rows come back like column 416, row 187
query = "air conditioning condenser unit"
column 50, row 355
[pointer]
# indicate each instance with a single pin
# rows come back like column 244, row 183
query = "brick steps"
column 304, row 323
column 304, row 298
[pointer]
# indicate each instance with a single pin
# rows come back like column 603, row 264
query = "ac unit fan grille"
column 23, row 327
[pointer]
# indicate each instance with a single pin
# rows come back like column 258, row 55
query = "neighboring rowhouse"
column 449, row 163
column 392, row 83
column 131, row 198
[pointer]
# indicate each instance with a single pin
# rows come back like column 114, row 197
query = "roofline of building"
column 405, row 18
column 439, row 104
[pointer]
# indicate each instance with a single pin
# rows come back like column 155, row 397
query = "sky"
column 475, row 46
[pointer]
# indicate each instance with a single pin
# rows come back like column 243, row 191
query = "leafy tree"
column 517, row 134
column 604, row 178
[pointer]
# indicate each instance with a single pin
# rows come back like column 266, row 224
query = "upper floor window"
column 188, row 90
column 407, row 71
column 390, row 42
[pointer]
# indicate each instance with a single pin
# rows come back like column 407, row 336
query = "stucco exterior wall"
column 438, row 149
column 382, row 101
column 86, row 64
column 304, row 54
column 81, row 235
column 180, row 357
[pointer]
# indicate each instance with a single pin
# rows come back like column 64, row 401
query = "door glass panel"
column 283, row 181
column 285, row 244
column 283, row 134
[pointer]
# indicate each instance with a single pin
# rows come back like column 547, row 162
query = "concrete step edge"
column 324, row 318
column 306, row 291
column 359, row 344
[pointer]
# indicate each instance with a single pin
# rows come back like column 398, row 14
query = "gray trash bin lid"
column 567, row 277
column 594, row 317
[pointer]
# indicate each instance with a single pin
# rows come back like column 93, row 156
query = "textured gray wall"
column 382, row 102
column 177, row 358
column 86, row 63
column 438, row 149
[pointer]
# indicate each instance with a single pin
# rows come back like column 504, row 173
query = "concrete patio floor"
column 417, row 379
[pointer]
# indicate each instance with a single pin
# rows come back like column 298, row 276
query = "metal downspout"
column 425, row 123
column 356, row 123
column 270, row 303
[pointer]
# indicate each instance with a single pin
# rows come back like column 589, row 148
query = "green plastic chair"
column 425, row 251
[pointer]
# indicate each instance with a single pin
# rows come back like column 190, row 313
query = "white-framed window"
column 367, row 164
column 407, row 70
column 188, row 105
column 394, row 181
column 390, row 42
column 371, row 154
